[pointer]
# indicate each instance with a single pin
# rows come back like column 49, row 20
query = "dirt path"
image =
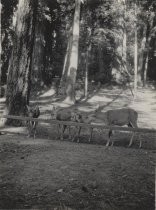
column 48, row 174
column 56, row 175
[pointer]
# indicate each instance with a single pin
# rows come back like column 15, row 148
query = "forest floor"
column 46, row 173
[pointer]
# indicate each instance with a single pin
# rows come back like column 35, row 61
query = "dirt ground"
column 54, row 174
column 46, row 173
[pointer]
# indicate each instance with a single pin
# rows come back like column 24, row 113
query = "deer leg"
column 69, row 132
column 75, row 129
column 33, row 130
column 140, row 142
column 91, row 134
column 131, row 140
column 58, row 131
column 78, row 134
column 29, row 129
column 112, row 143
column 35, row 125
column 63, row 130
column 109, row 135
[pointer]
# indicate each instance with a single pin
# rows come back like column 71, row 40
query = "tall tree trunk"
column 135, row 63
column 101, row 65
column 86, row 71
column 73, row 60
column 66, row 64
column 124, row 49
column 145, row 70
column 135, row 57
column 147, row 50
column 38, row 54
column 0, row 50
column 142, row 55
column 124, row 46
column 18, row 81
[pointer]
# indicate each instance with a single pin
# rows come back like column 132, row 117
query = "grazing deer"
column 33, row 112
column 62, row 115
column 81, row 118
column 119, row 117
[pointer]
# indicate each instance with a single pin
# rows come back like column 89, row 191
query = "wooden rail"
column 119, row 128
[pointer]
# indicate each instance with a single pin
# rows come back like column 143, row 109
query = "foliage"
column 102, row 26
column 8, row 8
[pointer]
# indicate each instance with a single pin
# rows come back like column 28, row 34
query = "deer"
column 119, row 117
column 62, row 115
column 33, row 112
column 116, row 117
column 81, row 118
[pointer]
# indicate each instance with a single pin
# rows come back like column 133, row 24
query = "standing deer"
column 81, row 118
column 33, row 112
column 62, row 115
column 119, row 117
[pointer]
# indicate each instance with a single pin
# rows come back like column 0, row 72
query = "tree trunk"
column 38, row 54
column 135, row 58
column 86, row 72
column 124, row 49
column 147, row 49
column 66, row 64
column 142, row 54
column 73, row 60
column 135, row 63
column 145, row 70
column 0, row 51
column 101, row 65
column 124, row 46
column 18, row 81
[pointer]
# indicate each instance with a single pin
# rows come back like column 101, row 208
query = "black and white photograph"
column 77, row 104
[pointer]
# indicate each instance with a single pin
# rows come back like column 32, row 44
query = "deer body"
column 119, row 117
column 33, row 112
column 80, row 118
column 62, row 115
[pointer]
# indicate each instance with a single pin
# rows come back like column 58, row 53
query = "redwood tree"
column 73, row 60
column 19, row 73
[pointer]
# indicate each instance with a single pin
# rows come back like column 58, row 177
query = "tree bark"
column 19, row 73
column 135, row 58
column 135, row 63
column 147, row 50
column 73, row 60
column 124, row 46
column 142, row 55
column 101, row 70
column 86, row 72
column 38, row 54
column 66, row 64
column 0, row 50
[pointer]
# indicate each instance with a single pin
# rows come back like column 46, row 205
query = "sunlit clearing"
column 2, row 100
column 100, row 98
column 50, row 92
column 65, row 105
